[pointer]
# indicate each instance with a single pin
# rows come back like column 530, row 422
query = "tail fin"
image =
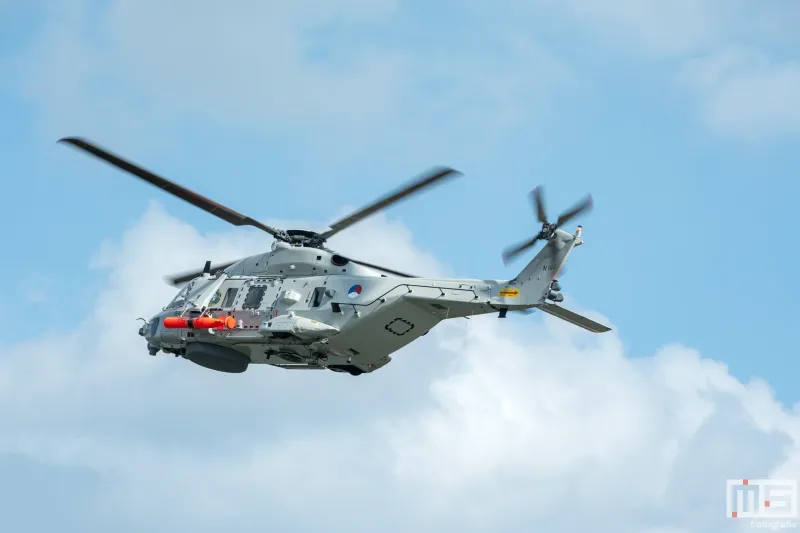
column 534, row 281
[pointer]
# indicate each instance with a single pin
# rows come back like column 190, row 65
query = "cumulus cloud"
column 484, row 425
column 654, row 26
column 746, row 93
column 738, row 59
column 335, row 73
column 681, row 27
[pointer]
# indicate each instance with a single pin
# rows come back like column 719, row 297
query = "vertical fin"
column 534, row 280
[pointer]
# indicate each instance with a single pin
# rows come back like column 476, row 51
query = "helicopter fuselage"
column 300, row 307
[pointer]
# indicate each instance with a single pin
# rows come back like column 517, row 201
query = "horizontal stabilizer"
column 575, row 318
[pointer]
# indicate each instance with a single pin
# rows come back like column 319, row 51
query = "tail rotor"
column 548, row 230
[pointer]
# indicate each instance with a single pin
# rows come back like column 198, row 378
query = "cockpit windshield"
column 180, row 298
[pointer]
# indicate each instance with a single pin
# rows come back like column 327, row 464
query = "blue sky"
column 681, row 119
column 680, row 208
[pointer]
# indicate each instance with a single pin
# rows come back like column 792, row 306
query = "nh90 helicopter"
column 304, row 306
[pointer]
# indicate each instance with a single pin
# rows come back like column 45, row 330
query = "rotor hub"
column 548, row 230
column 307, row 238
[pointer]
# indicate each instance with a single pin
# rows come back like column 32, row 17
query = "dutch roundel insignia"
column 354, row 291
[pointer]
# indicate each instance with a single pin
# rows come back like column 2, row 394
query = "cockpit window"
column 180, row 298
column 153, row 327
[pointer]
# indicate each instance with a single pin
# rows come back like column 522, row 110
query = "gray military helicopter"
column 304, row 306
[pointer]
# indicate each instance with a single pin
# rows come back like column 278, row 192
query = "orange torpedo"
column 203, row 322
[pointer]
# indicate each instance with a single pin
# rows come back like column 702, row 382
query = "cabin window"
column 230, row 296
column 254, row 297
column 316, row 300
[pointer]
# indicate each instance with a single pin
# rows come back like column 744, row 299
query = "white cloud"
column 747, row 94
column 654, row 26
column 740, row 58
column 482, row 425
column 674, row 28
column 337, row 75
column 91, row 67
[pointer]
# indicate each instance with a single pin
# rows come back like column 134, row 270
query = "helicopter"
column 302, row 305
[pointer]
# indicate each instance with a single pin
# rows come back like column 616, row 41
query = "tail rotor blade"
column 548, row 230
column 511, row 253
column 538, row 204
column 584, row 205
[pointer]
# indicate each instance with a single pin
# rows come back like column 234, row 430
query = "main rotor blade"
column 206, row 204
column 584, row 205
column 538, row 204
column 387, row 270
column 510, row 253
column 425, row 180
column 177, row 280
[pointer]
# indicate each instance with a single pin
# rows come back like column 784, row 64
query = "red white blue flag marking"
column 354, row 291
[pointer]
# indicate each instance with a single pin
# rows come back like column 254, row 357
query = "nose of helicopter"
column 150, row 328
